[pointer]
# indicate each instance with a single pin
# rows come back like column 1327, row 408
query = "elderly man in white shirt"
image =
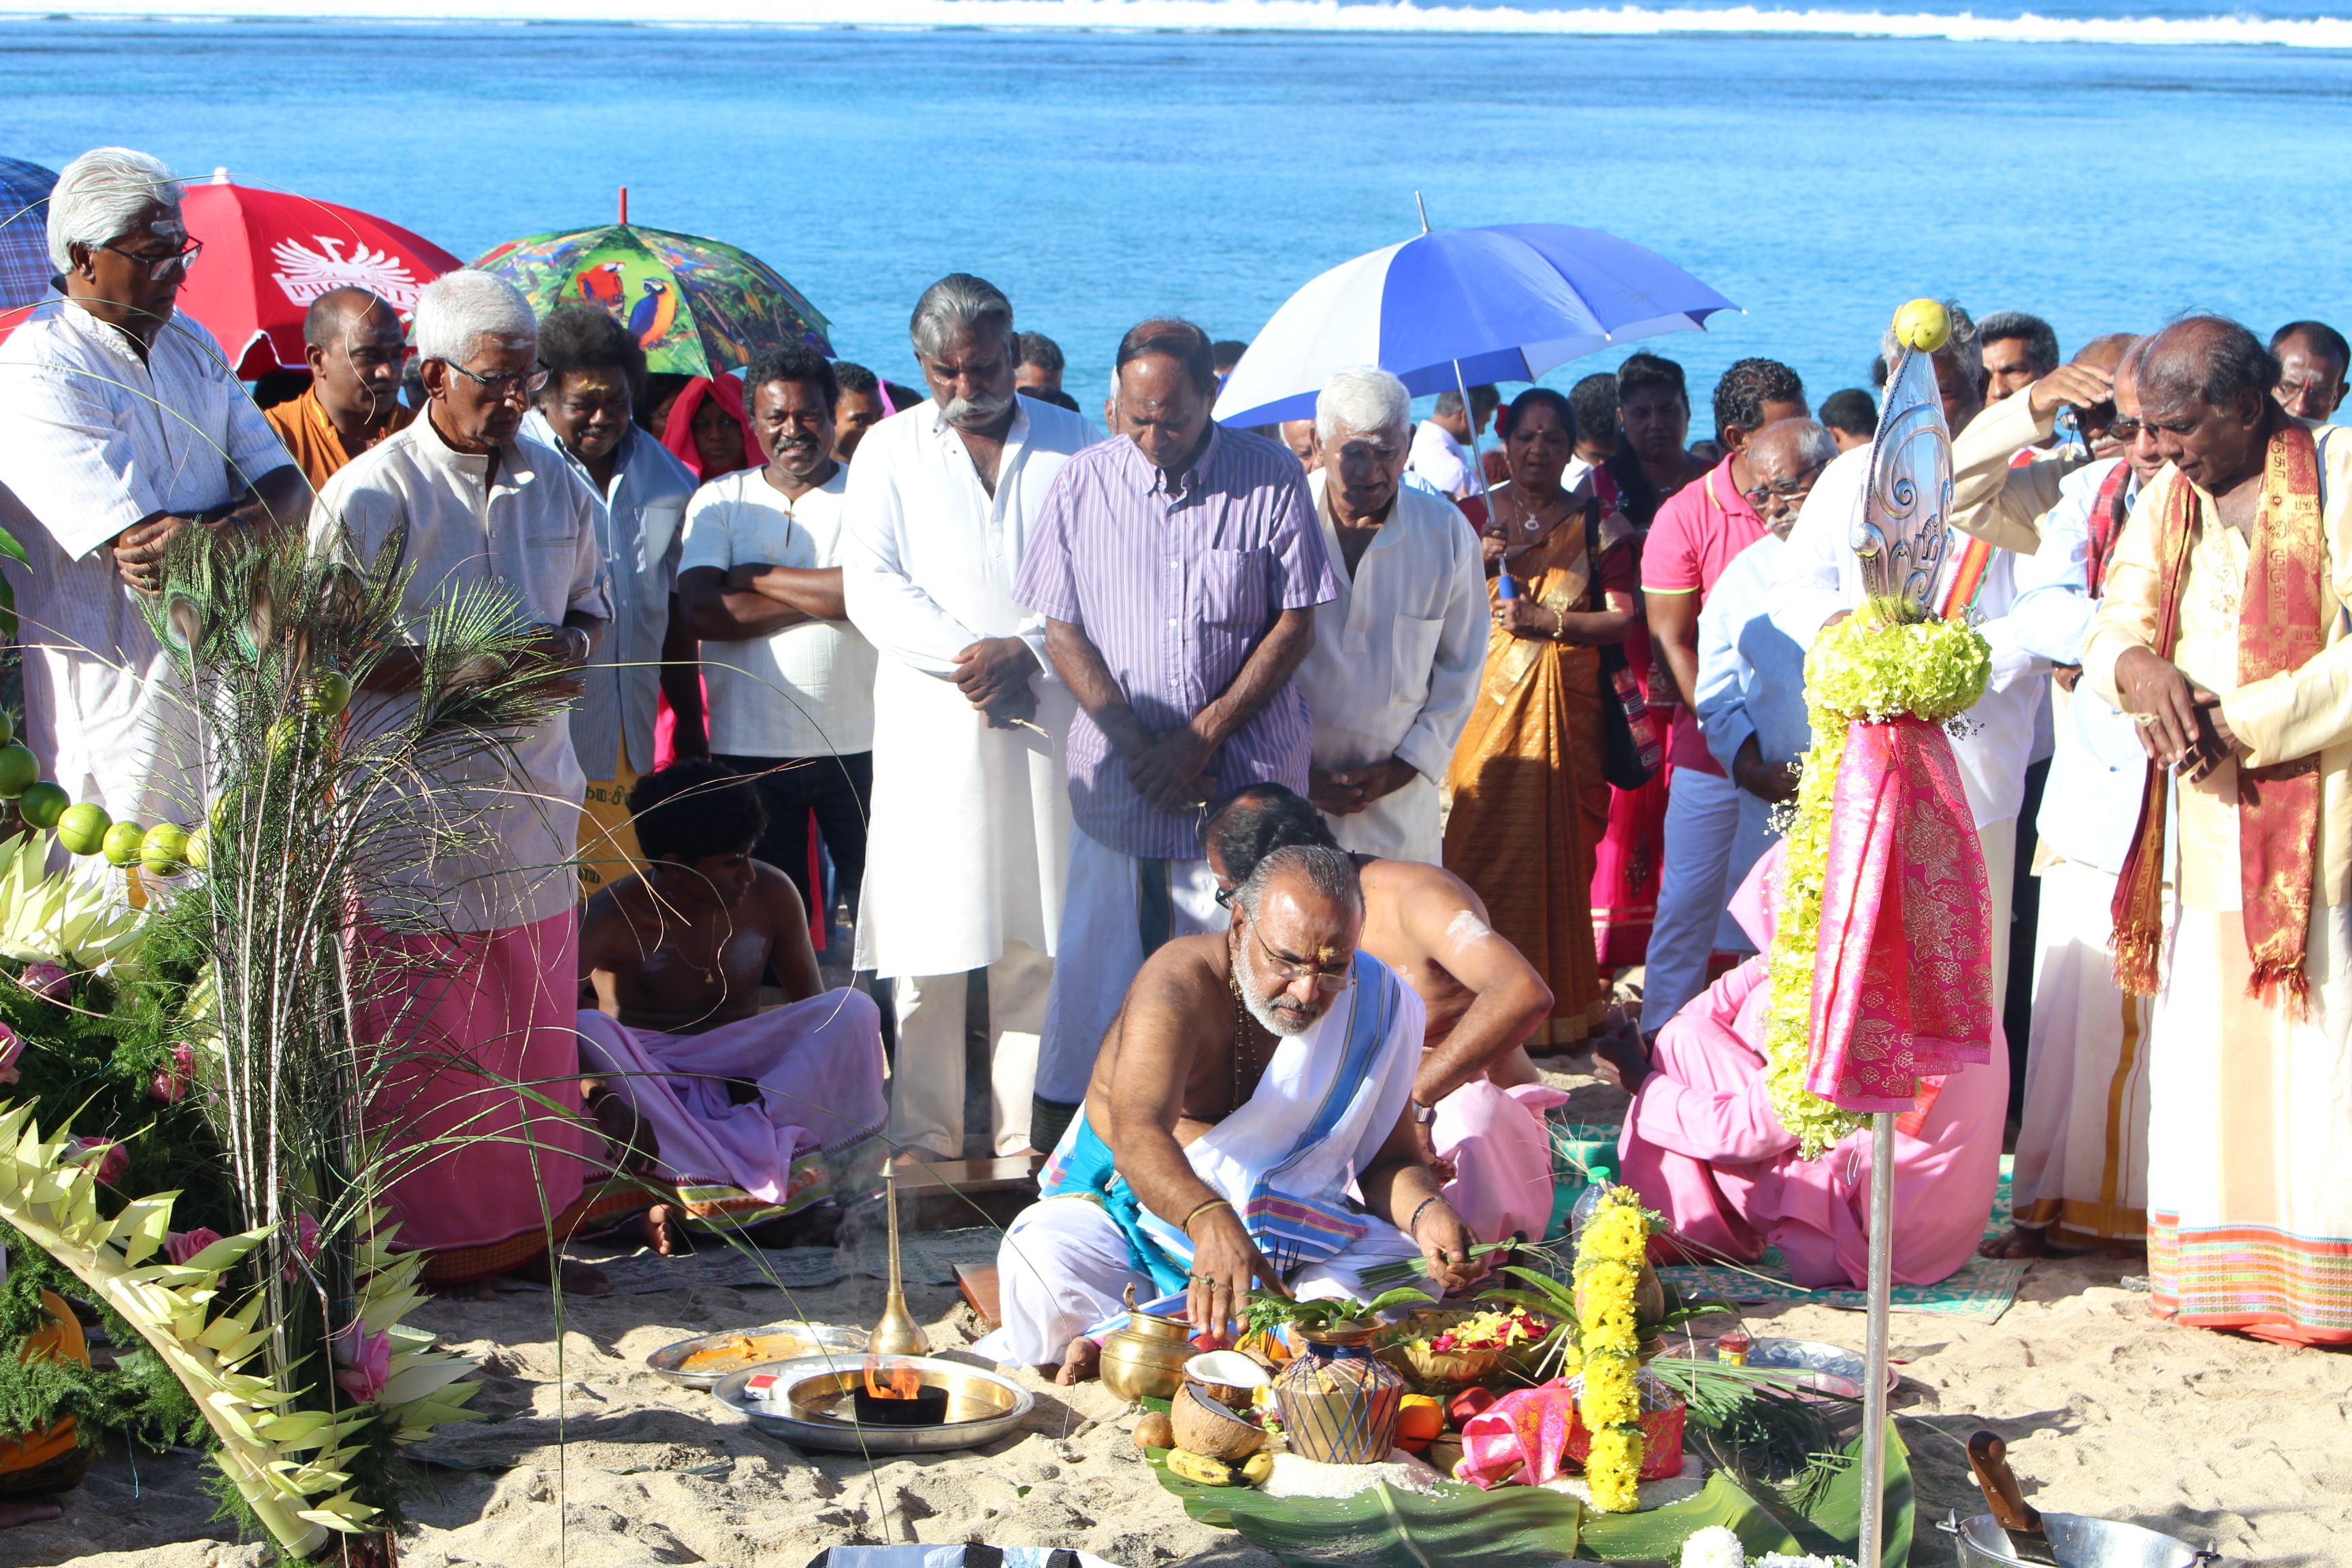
column 1820, row 580
column 475, row 945
column 969, row 841
column 791, row 681
column 1397, row 655
column 595, row 375
column 119, row 425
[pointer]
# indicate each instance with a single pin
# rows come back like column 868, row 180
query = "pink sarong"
column 817, row 1065
column 478, row 1026
column 1903, row 979
column 1501, row 1151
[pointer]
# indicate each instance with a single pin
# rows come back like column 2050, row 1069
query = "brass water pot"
column 1146, row 1359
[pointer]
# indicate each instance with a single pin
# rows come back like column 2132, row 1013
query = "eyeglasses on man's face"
column 507, row 385
column 1784, row 490
column 162, row 266
column 1287, row 973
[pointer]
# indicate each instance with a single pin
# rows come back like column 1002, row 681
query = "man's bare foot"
column 2025, row 1241
column 1081, row 1362
column 13, row 1514
column 1620, row 1062
column 664, row 1233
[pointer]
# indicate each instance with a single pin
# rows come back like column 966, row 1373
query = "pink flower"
column 363, row 1362
column 47, row 981
column 306, row 1241
column 113, row 1158
column 174, row 1080
column 183, row 1245
column 12, row 1045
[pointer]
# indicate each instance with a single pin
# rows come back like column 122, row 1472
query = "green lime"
column 18, row 769
column 164, row 850
column 224, row 812
column 122, row 841
column 42, row 804
column 330, row 693
column 8, row 728
column 200, row 848
column 82, row 828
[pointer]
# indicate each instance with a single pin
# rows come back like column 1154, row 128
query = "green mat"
column 1459, row 1526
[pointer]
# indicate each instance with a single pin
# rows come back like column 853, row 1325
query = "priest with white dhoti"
column 969, row 841
column 1247, row 1124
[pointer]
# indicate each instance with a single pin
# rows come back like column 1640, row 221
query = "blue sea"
column 2104, row 163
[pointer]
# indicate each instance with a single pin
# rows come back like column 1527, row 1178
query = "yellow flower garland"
column 1609, row 1259
column 1883, row 662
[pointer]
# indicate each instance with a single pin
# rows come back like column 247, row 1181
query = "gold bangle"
column 1213, row 1203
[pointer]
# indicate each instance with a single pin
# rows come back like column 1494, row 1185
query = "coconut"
column 1205, row 1428
column 1229, row 1377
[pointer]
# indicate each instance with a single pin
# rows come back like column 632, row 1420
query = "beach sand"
column 594, row 1462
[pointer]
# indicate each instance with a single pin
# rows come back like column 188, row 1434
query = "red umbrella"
column 267, row 254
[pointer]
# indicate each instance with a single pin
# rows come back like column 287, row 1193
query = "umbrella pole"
column 1868, row 1547
column 1477, row 469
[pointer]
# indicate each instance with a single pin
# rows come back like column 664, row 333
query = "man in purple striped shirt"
column 1178, row 565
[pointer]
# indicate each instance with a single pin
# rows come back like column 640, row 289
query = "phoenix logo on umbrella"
column 307, row 274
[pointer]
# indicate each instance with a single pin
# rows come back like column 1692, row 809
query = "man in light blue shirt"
column 595, row 372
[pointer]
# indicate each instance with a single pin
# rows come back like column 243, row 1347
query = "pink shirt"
column 1699, row 529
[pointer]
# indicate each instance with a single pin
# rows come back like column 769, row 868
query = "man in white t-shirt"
column 790, row 680
column 1438, row 453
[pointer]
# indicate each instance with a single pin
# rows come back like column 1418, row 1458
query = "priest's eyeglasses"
column 505, row 385
column 162, row 266
column 1287, row 973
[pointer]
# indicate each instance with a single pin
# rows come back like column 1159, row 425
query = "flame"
column 901, row 1381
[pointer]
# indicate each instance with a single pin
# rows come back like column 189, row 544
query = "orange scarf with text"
column 2280, row 628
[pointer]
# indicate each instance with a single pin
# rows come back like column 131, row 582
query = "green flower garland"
column 1883, row 662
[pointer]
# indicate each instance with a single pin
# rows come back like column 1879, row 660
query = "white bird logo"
column 305, row 275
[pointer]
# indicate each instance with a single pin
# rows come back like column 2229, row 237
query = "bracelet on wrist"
column 1413, row 1226
column 1213, row 1203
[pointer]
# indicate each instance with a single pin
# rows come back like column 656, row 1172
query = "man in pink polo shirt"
column 1699, row 529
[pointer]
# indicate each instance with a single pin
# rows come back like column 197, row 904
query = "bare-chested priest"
column 742, row 1119
column 1476, row 1097
column 1251, row 1078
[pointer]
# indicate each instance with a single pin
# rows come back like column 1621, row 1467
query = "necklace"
column 1241, row 1035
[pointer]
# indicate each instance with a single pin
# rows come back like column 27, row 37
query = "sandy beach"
column 591, row 1460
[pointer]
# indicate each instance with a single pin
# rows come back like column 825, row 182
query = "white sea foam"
column 1278, row 15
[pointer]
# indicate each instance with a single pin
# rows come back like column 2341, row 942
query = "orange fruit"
column 1419, row 1419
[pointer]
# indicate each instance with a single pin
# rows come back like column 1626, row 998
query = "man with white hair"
column 970, row 835
column 120, row 426
column 1398, row 655
column 479, row 946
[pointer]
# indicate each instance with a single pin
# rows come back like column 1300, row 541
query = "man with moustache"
column 356, row 348
column 119, row 427
column 595, row 374
column 969, row 845
column 791, row 681
column 1245, row 1123
column 1178, row 564
column 2312, row 362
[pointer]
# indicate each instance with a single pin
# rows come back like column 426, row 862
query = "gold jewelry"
column 1213, row 1203
column 2145, row 721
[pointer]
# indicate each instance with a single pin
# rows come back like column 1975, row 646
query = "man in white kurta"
column 970, row 839
column 119, row 421
column 1398, row 655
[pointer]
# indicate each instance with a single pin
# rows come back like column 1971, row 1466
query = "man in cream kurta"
column 2250, row 1120
column 969, row 838
column 1398, row 655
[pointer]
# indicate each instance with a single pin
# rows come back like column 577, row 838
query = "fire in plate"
column 877, row 1404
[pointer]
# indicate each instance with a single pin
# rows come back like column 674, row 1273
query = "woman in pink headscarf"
column 1704, row 1148
column 709, row 430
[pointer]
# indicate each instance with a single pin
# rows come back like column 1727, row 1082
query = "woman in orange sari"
column 1530, row 777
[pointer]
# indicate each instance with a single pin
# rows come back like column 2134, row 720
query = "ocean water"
column 2103, row 163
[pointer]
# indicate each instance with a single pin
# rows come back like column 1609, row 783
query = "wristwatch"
column 1422, row 1115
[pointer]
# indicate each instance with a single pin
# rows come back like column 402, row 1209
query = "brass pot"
column 1146, row 1359
column 1341, row 1410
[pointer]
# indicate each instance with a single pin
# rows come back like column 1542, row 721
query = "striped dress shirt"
column 1175, row 588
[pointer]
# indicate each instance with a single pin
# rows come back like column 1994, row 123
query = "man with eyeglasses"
column 357, row 350
column 1248, row 1122
column 119, row 427
column 1398, row 654
column 476, row 941
column 1699, row 529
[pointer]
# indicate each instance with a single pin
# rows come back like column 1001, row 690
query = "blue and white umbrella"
column 1461, row 306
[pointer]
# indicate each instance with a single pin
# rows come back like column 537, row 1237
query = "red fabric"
column 267, row 254
column 678, row 433
column 1530, row 1436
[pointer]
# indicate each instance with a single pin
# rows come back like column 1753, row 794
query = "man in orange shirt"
column 356, row 348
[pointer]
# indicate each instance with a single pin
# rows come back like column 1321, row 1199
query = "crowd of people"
column 1284, row 789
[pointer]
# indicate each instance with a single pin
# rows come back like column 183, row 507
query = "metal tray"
column 983, row 1406
column 1833, row 1369
column 674, row 1363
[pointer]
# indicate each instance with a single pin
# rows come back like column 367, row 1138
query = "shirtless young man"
column 1203, row 1021
column 681, row 948
column 1483, row 997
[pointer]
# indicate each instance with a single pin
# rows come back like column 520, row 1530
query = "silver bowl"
column 1829, row 1369
column 814, row 1412
column 703, row 1361
column 2076, row 1542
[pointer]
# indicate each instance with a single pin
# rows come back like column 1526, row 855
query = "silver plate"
column 989, row 1404
column 1834, row 1369
column 674, row 1361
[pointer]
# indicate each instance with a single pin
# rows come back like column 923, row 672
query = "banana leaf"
column 1462, row 1527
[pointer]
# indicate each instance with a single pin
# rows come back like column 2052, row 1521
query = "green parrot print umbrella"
column 699, row 306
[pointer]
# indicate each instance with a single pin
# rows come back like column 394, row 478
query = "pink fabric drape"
column 1501, row 1151
column 1903, row 975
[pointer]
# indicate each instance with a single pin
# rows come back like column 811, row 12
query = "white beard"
column 1284, row 1022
